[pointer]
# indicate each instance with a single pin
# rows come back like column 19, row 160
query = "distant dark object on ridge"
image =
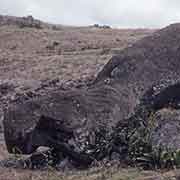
column 102, row 26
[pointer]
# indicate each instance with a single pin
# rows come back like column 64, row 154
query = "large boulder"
column 89, row 123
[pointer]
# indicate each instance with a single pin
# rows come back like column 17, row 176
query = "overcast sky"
column 117, row 13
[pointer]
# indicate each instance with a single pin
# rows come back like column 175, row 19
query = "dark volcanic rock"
column 108, row 116
column 150, row 60
column 79, row 113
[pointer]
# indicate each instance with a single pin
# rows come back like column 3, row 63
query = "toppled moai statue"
column 112, row 115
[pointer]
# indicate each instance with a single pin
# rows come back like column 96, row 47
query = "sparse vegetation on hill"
column 22, row 22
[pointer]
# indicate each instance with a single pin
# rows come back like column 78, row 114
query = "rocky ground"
column 36, row 58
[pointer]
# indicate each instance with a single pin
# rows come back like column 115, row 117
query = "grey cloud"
column 118, row 13
column 15, row 7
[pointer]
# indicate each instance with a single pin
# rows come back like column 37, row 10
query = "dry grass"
column 65, row 54
column 112, row 173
